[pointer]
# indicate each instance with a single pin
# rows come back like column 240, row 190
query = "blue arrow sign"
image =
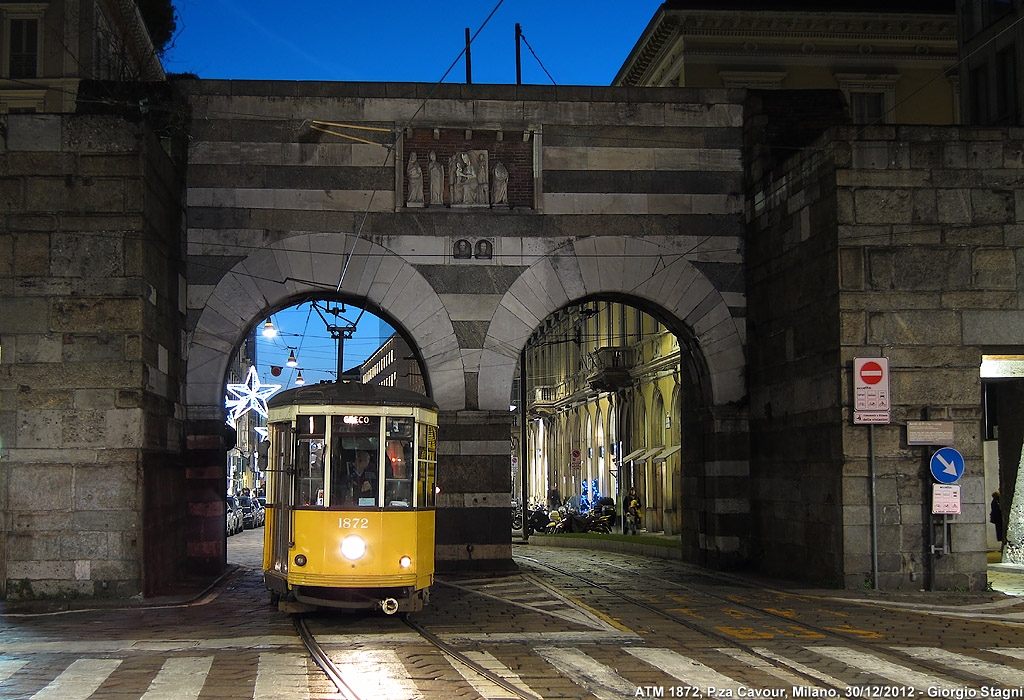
column 947, row 465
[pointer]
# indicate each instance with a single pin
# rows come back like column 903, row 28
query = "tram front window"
column 398, row 463
column 355, row 461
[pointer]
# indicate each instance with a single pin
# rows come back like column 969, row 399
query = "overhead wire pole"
column 469, row 60
column 519, row 62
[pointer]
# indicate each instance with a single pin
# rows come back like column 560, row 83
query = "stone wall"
column 902, row 242
column 632, row 194
column 90, row 281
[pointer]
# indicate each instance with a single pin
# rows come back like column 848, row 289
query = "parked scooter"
column 537, row 520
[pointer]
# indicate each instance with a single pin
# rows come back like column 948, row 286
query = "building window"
column 979, row 95
column 24, row 48
column 981, row 14
column 1007, row 91
column 872, row 98
column 867, row 107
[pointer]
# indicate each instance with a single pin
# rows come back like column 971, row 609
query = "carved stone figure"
column 484, row 249
column 499, row 193
column 483, row 195
column 455, row 192
column 465, row 178
column 462, row 250
column 415, row 175
column 436, row 181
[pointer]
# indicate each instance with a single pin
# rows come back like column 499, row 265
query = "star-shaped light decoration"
column 263, row 432
column 252, row 395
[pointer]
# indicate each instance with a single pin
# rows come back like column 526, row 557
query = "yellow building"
column 894, row 61
column 602, row 394
column 48, row 48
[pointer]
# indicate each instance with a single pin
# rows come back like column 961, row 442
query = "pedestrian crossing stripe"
column 382, row 672
column 530, row 593
column 180, row 678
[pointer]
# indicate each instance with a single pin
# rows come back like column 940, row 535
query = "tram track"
column 765, row 655
column 327, row 665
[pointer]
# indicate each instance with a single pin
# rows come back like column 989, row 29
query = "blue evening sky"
column 579, row 42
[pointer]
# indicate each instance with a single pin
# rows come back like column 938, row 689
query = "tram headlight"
column 300, row 560
column 405, row 562
column 353, row 547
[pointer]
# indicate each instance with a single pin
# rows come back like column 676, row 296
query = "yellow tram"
column 350, row 497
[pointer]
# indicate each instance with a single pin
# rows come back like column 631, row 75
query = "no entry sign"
column 871, row 373
column 871, row 390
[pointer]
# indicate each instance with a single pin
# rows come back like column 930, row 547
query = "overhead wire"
column 631, row 140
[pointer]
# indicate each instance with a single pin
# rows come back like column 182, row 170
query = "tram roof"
column 349, row 393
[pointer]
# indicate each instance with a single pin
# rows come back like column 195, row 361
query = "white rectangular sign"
column 945, row 499
column 876, row 417
column 871, row 384
column 929, row 432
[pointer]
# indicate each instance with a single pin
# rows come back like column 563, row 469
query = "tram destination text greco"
column 849, row 692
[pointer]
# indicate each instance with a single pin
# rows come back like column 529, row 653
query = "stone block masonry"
column 89, row 286
column 899, row 242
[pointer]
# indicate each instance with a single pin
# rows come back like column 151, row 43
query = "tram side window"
column 309, row 460
column 427, row 459
column 398, row 462
column 280, row 462
column 355, row 461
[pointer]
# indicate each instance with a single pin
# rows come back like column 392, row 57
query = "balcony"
column 608, row 368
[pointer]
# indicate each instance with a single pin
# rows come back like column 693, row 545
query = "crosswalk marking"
column 880, row 667
column 1015, row 653
column 79, row 680
column 487, row 689
column 691, row 672
column 763, row 666
column 597, row 678
column 281, row 677
column 180, row 678
column 802, row 668
column 532, row 594
column 376, row 671
column 962, row 662
column 8, row 667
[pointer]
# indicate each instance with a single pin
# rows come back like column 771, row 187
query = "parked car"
column 252, row 513
column 259, row 512
column 233, row 515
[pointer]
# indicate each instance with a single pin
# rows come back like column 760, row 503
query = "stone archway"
column 295, row 267
column 716, row 459
column 311, row 264
column 616, row 265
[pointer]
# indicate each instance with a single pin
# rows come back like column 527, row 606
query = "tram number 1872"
column 353, row 523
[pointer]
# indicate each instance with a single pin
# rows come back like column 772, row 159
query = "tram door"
column 282, row 476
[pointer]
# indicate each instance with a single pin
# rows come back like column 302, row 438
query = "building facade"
column 894, row 62
column 49, row 48
column 991, row 40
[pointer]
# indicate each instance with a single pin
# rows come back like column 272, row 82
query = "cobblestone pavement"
column 551, row 636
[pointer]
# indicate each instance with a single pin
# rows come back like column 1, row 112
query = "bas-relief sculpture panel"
column 469, row 178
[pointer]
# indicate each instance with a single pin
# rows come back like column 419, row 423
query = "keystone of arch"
column 615, row 265
column 311, row 264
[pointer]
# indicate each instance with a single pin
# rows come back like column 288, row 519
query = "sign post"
column 871, row 407
column 871, row 390
column 947, row 466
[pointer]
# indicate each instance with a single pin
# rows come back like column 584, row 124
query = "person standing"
column 633, row 513
column 995, row 515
